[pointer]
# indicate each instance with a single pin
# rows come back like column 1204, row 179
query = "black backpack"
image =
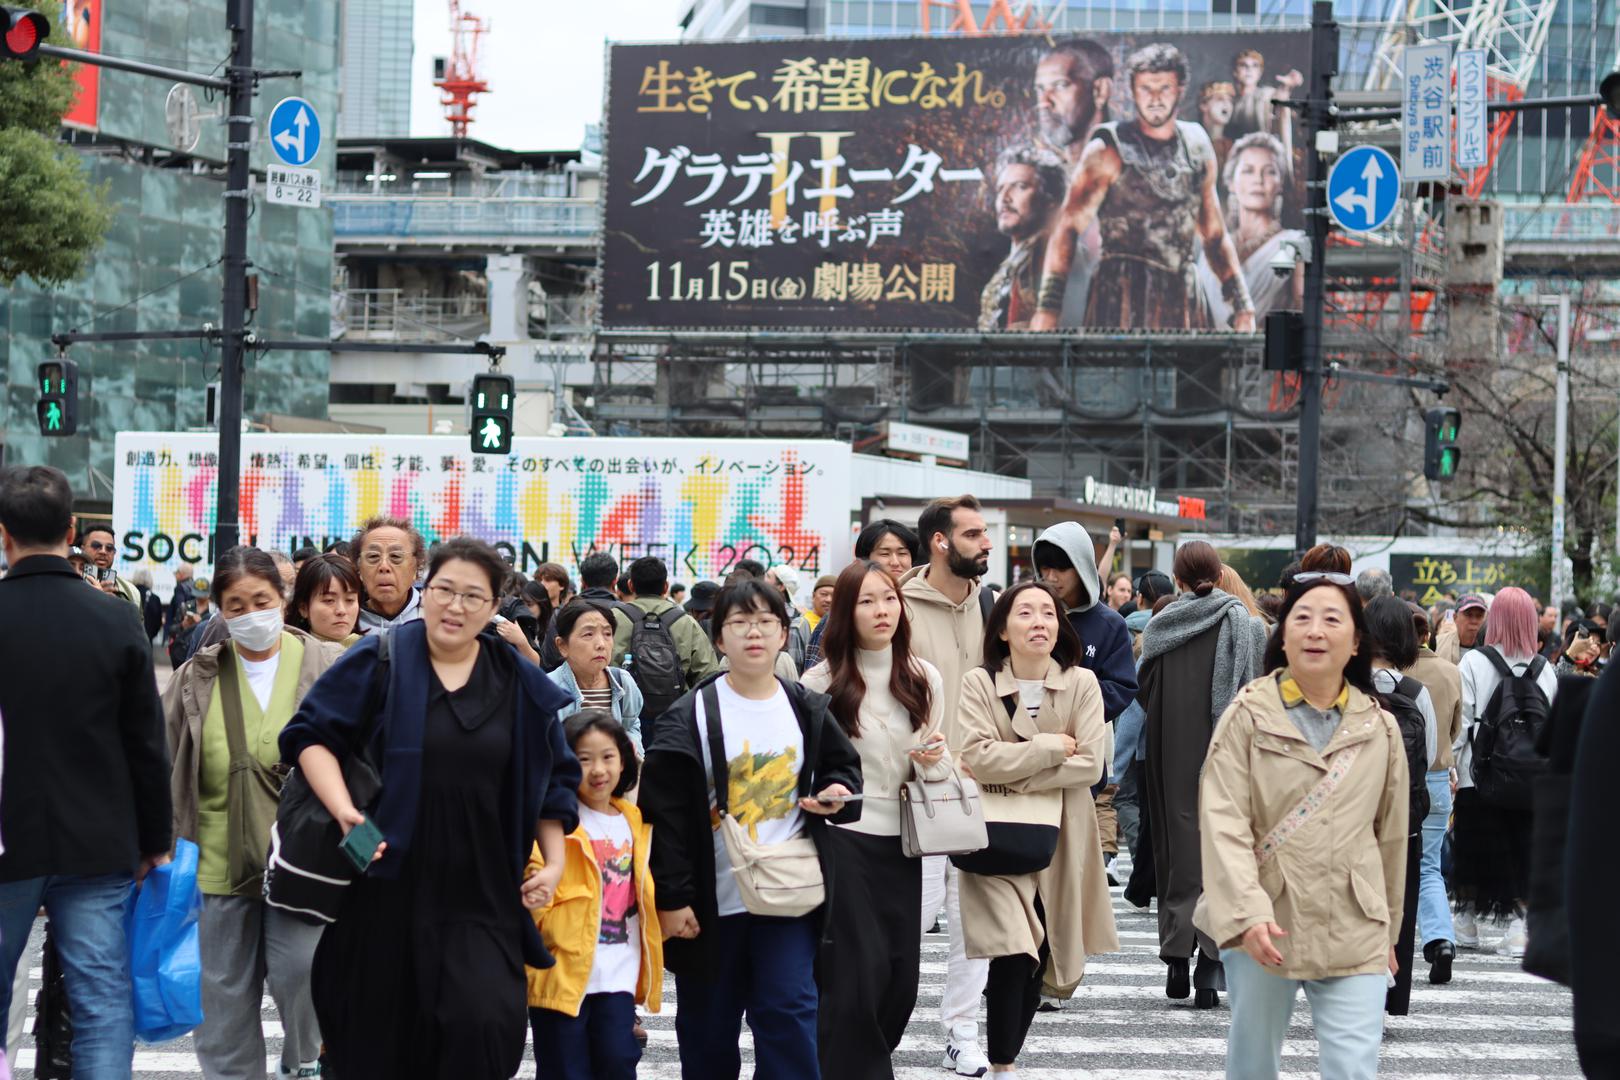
column 653, row 660
column 1506, row 764
column 1402, row 704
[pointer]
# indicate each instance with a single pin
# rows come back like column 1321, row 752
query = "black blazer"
column 674, row 799
column 86, row 788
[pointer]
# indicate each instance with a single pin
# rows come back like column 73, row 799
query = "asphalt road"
column 1492, row 1020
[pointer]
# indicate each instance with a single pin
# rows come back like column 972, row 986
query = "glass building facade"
column 376, row 69
column 155, row 270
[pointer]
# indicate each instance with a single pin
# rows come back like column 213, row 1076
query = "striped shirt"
column 597, row 699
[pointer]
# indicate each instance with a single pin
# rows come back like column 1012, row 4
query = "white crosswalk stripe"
column 1493, row 1019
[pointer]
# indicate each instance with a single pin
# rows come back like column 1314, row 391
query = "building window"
column 768, row 15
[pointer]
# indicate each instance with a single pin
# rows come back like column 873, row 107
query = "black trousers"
column 1399, row 998
column 1012, row 994
column 869, row 965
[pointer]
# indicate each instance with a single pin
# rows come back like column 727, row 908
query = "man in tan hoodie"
column 947, row 609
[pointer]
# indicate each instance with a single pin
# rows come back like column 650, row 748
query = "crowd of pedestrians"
column 553, row 795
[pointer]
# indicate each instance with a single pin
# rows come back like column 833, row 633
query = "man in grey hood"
column 1066, row 558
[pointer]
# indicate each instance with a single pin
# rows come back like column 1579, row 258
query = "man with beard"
column 1149, row 184
column 947, row 609
column 1029, row 188
column 1073, row 83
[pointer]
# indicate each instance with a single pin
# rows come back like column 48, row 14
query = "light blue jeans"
column 1347, row 1012
column 1434, row 910
column 87, row 917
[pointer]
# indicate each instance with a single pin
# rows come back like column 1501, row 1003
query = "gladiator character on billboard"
column 1029, row 186
column 1150, row 186
column 1256, row 104
column 1073, row 82
column 1258, row 180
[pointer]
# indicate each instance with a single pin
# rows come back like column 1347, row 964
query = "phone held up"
column 361, row 844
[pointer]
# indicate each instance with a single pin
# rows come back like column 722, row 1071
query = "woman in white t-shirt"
column 600, row 924
column 1490, row 875
column 780, row 746
column 890, row 704
column 223, row 708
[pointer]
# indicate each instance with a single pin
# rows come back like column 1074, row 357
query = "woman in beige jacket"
column 1302, row 814
column 1031, row 721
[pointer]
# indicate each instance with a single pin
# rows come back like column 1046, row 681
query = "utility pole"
column 233, row 349
column 1318, row 119
column 1560, row 450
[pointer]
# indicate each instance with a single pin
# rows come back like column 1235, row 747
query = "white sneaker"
column 964, row 1059
column 1513, row 943
column 1465, row 931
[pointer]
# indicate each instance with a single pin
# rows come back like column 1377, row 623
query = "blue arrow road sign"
column 1362, row 188
column 295, row 131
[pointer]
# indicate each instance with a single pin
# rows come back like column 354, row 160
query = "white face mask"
column 257, row 630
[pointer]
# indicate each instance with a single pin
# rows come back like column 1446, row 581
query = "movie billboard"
column 1097, row 182
column 700, row 505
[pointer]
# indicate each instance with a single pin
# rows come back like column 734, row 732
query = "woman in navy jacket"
column 422, row 973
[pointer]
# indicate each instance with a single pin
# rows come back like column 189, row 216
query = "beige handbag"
column 941, row 817
column 782, row 880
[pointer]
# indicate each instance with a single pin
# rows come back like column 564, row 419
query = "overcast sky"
column 542, row 60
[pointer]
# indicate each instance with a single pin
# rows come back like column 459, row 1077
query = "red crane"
column 459, row 78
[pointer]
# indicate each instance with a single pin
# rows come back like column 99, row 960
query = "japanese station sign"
column 917, row 182
column 1473, row 93
column 1426, row 112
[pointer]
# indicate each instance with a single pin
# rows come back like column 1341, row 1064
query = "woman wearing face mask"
column 1303, row 812
column 585, row 640
column 890, row 704
column 225, row 709
column 326, row 599
column 1031, row 722
column 390, row 555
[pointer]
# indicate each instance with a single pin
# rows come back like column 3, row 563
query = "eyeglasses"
column 445, row 596
column 396, row 557
column 1327, row 576
column 765, row 624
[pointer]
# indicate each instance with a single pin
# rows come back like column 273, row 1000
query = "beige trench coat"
column 998, row 913
column 1336, row 886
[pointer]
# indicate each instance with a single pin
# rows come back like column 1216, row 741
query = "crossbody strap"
column 1313, row 801
column 717, row 747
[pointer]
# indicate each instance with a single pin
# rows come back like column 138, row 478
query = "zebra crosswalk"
column 1492, row 1019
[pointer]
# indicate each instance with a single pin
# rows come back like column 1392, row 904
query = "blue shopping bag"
column 164, row 964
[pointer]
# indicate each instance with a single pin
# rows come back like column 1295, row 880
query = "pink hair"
column 1511, row 625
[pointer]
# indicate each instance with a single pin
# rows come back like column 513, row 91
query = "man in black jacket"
column 86, row 810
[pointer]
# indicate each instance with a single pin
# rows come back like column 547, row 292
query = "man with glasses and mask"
column 943, row 603
column 99, row 548
column 390, row 555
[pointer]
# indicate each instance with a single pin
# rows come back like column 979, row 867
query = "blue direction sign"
column 1362, row 188
column 295, row 131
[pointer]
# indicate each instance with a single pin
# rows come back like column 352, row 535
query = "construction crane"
column 1598, row 170
column 458, row 76
column 1001, row 17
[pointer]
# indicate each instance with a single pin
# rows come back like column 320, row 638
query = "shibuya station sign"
column 1143, row 180
column 1141, row 500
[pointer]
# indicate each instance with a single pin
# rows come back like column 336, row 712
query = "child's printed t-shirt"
column 618, row 944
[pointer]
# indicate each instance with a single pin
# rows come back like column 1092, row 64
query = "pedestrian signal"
column 22, row 32
column 58, row 406
column 490, row 399
column 1440, row 454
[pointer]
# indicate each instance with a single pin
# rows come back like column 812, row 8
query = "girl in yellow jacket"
column 601, row 923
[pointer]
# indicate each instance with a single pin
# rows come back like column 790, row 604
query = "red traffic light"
column 25, row 31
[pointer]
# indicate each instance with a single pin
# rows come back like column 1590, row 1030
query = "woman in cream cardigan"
column 890, row 704
column 1031, row 720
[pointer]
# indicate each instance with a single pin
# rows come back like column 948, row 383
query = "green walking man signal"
column 58, row 406
column 490, row 400
column 1440, row 454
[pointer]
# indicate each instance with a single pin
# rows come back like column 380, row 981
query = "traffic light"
column 22, row 32
column 1285, row 340
column 491, row 398
column 1440, row 453
column 58, row 407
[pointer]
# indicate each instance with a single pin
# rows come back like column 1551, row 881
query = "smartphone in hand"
column 361, row 844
